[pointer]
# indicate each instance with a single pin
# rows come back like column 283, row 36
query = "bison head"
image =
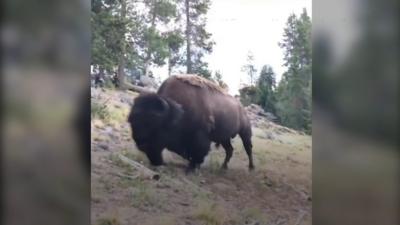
column 154, row 120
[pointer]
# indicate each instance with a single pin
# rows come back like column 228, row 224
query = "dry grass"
column 109, row 113
column 109, row 221
column 118, row 114
column 135, row 155
column 208, row 197
column 99, row 111
column 214, row 162
column 253, row 215
column 114, row 158
column 144, row 195
column 162, row 220
column 210, row 213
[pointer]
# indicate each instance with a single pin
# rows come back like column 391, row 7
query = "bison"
column 185, row 115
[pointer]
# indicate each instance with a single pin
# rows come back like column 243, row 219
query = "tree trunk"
column 121, row 73
column 136, row 88
column 188, row 27
column 121, row 64
column 169, row 68
column 169, row 62
column 148, row 53
column 101, row 72
column 144, row 172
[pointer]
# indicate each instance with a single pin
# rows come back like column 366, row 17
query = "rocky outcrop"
column 254, row 109
column 265, row 120
column 148, row 82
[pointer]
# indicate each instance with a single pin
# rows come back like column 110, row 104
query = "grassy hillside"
column 277, row 192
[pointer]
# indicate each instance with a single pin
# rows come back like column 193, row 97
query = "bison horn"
column 164, row 107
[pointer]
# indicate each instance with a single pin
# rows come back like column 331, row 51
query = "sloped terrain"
column 277, row 192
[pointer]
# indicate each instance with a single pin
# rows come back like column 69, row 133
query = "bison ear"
column 176, row 113
column 158, row 106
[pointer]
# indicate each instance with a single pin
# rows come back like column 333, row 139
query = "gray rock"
column 269, row 135
column 148, row 82
column 126, row 100
column 104, row 146
column 108, row 130
column 256, row 111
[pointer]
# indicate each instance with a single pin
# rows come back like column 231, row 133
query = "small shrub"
column 118, row 115
column 210, row 214
column 99, row 111
column 107, row 184
column 109, row 221
column 163, row 220
column 248, row 95
column 262, row 159
column 145, row 196
column 135, row 155
column 128, row 169
column 214, row 163
column 109, row 84
column 253, row 215
column 109, row 113
column 201, row 196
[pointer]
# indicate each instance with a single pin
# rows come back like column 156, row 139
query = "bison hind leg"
column 192, row 167
column 246, row 139
column 228, row 153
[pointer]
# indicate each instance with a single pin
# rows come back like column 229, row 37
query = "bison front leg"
column 199, row 148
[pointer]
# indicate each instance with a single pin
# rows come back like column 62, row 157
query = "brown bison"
column 185, row 115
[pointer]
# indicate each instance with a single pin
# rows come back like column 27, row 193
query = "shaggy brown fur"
column 201, row 82
column 185, row 115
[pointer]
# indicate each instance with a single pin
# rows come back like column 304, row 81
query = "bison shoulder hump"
column 200, row 82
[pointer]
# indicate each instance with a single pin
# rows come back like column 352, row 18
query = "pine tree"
column 266, row 85
column 175, row 41
column 111, row 24
column 217, row 78
column 250, row 69
column 106, row 26
column 197, row 39
column 156, row 45
column 294, row 91
column 126, row 36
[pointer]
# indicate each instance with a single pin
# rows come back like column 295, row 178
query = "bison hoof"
column 251, row 167
column 190, row 170
column 224, row 167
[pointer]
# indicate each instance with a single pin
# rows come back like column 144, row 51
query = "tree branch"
column 144, row 171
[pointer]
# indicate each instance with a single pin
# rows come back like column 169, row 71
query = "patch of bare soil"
column 277, row 192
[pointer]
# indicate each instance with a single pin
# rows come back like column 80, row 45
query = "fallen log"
column 135, row 88
column 143, row 171
column 125, row 176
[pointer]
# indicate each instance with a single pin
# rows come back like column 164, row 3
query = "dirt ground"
column 277, row 192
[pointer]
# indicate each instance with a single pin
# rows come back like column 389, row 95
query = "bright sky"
column 240, row 26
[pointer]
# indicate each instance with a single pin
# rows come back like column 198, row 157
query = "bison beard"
column 185, row 118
